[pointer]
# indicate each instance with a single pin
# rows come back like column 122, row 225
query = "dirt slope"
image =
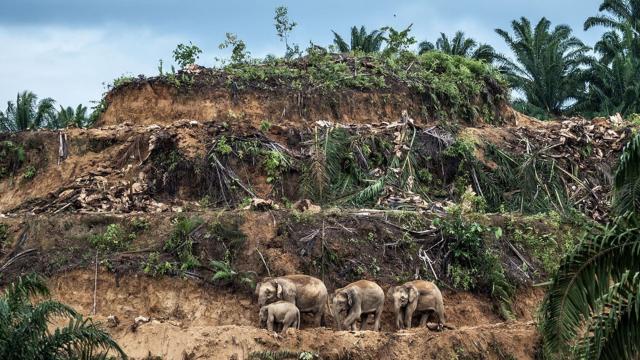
column 201, row 321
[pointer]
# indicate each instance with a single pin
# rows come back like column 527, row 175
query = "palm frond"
column 80, row 336
column 582, row 279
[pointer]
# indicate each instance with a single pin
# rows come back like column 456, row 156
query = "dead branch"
column 264, row 262
column 95, row 285
column 13, row 259
column 310, row 236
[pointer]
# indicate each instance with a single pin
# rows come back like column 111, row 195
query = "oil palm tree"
column 361, row 40
column 612, row 86
column 618, row 15
column 459, row 45
column 25, row 327
column 27, row 113
column 548, row 64
column 613, row 82
column 72, row 117
column 592, row 310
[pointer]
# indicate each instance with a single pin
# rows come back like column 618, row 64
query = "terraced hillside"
column 159, row 220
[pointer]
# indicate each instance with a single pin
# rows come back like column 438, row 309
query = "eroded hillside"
column 189, row 192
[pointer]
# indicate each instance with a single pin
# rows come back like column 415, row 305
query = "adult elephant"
column 306, row 292
column 356, row 301
column 417, row 297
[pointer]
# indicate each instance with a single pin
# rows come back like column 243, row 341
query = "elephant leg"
column 364, row 319
column 399, row 322
column 408, row 315
column 376, row 322
column 318, row 318
column 424, row 318
column 270, row 322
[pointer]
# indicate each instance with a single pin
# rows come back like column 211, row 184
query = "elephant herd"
column 282, row 300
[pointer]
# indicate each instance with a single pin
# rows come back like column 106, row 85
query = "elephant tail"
column 298, row 320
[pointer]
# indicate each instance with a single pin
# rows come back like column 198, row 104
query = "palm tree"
column 70, row 117
column 613, row 82
column 27, row 113
column 621, row 15
column 592, row 310
column 25, row 327
column 548, row 68
column 361, row 40
column 612, row 86
column 459, row 45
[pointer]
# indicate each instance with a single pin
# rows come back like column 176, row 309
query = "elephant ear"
column 278, row 290
column 351, row 293
column 413, row 293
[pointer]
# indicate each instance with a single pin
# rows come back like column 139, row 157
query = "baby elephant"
column 417, row 297
column 357, row 301
column 280, row 312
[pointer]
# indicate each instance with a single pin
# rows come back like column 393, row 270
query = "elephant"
column 306, row 292
column 281, row 312
column 416, row 297
column 358, row 300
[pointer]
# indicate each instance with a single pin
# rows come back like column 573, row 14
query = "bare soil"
column 187, row 317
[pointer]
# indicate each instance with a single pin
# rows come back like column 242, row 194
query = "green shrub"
column 139, row 225
column 225, row 273
column 186, row 54
column 29, row 173
column 472, row 264
column 122, row 80
column 113, row 239
column 275, row 163
column 154, row 266
column 180, row 242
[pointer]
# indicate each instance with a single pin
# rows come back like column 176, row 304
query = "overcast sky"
column 67, row 49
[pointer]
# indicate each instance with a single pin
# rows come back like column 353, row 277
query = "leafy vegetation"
column 180, row 242
column 27, row 113
column 361, row 41
column 72, row 117
column 224, row 272
column 453, row 87
column 29, row 173
column 114, row 238
column 460, row 45
column 627, row 179
column 185, row 55
column 284, row 27
column 12, row 156
column 471, row 261
column 548, row 71
column 26, row 331
column 592, row 308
